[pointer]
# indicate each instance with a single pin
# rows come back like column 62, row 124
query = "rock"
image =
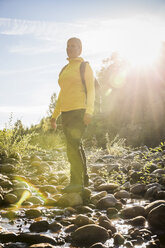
column 55, row 226
column 152, row 205
column 39, row 226
column 126, row 186
column 107, row 187
column 106, row 202
column 105, row 222
column 71, row 228
column 5, row 183
column 160, row 195
column 159, row 172
column 138, row 189
column 122, row 194
column 112, row 212
column 35, row 158
column 95, row 198
column 156, row 217
column 137, row 221
column 33, row 213
column 7, row 168
column 132, row 212
column 49, row 188
column 42, row 245
column 81, row 220
column 35, row 200
column 35, row 238
column 96, row 168
column 36, row 164
column 98, row 245
column 10, row 198
column 118, row 239
column 151, row 192
column 84, row 209
column 70, row 199
column 90, row 234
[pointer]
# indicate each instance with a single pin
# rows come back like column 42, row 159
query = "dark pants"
column 74, row 127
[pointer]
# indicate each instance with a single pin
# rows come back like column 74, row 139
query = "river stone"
column 90, row 234
column 81, row 220
column 152, row 205
column 35, row 158
column 137, row 221
column 151, row 192
column 138, row 189
column 118, row 239
column 122, row 194
column 159, row 172
column 7, row 168
column 98, row 245
column 106, row 202
column 36, row 163
column 112, row 212
column 39, row 226
column 132, row 212
column 42, row 245
column 10, row 198
column 55, row 226
column 35, row 200
column 107, row 187
column 156, row 217
column 5, row 183
column 33, row 213
column 31, row 238
column 160, row 195
column 70, row 200
column 49, row 188
column 95, row 198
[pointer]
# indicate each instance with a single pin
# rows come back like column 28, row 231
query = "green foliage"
column 48, row 140
column 116, row 146
column 13, row 141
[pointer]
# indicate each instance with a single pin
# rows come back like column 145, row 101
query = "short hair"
column 78, row 41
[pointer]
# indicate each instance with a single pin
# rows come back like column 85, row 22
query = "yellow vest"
column 72, row 95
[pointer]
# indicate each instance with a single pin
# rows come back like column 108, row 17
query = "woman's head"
column 74, row 47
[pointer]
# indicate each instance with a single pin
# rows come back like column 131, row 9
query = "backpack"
column 97, row 104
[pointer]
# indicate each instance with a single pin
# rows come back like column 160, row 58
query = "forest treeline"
column 132, row 105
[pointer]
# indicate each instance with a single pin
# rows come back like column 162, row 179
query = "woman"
column 76, row 107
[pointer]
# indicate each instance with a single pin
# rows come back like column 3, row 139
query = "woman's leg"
column 74, row 128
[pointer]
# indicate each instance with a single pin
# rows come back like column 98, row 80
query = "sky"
column 33, row 36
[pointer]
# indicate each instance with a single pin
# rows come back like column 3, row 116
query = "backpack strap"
column 82, row 74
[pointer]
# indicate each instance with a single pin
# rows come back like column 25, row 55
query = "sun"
column 140, row 45
column 141, row 53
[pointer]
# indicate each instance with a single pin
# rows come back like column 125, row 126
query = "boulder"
column 122, row 194
column 132, row 212
column 39, row 226
column 33, row 213
column 152, row 205
column 156, row 217
column 90, row 234
column 107, row 187
column 106, row 202
column 138, row 189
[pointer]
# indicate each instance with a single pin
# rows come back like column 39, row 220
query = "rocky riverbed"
column 124, row 205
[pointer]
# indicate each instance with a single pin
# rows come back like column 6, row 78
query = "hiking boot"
column 73, row 188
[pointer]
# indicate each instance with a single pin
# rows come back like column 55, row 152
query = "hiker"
column 76, row 106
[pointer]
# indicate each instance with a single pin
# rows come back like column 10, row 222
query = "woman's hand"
column 87, row 119
column 53, row 123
